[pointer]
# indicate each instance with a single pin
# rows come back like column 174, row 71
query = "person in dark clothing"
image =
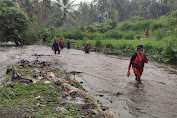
column 55, row 46
column 137, row 62
column 87, row 48
column 68, row 44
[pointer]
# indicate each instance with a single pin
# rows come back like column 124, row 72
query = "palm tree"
column 67, row 7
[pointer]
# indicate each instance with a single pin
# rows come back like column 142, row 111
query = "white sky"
column 78, row 1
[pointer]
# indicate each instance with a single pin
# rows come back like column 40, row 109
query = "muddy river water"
column 104, row 77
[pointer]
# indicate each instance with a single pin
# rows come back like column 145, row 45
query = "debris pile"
column 37, row 89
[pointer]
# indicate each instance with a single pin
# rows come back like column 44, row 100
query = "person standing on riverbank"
column 146, row 32
column 55, row 46
column 87, row 47
column 137, row 62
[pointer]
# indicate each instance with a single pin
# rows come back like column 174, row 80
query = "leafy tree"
column 13, row 23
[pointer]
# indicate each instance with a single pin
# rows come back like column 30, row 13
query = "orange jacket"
column 60, row 42
column 146, row 32
column 137, row 61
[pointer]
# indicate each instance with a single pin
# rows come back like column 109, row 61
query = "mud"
column 104, row 77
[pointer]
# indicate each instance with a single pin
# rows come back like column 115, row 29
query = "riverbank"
column 39, row 89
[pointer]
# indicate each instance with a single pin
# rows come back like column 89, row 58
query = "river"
column 104, row 77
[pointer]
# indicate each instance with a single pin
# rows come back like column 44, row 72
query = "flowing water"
column 104, row 77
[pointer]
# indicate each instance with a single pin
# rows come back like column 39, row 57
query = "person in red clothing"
column 87, row 47
column 61, row 43
column 146, row 32
column 137, row 62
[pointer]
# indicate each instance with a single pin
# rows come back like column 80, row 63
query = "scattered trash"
column 78, row 102
column 60, row 109
column 47, row 82
column 113, row 113
column 39, row 77
column 36, row 70
column 38, row 97
column 52, row 74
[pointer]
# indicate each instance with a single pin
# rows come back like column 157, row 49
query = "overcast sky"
column 78, row 1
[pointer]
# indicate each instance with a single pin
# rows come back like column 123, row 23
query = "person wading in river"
column 61, row 43
column 87, row 48
column 55, row 46
column 137, row 61
column 68, row 44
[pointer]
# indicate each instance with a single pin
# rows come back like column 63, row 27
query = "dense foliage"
column 26, row 21
column 13, row 23
column 125, row 36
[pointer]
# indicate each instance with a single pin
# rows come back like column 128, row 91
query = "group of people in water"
column 137, row 60
column 58, row 45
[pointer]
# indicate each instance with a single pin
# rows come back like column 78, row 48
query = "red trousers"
column 138, row 73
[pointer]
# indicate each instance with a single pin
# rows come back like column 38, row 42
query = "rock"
column 9, row 69
column 92, row 112
column 118, row 94
column 81, row 82
column 60, row 109
column 85, row 106
column 101, row 95
column 103, row 108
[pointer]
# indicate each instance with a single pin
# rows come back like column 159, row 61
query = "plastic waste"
column 52, row 74
column 47, row 82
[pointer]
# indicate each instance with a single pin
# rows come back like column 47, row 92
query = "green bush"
column 160, row 34
column 13, row 21
column 114, row 34
column 170, row 50
column 73, row 34
column 32, row 34
column 125, row 26
column 109, row 45
column 129, row 35
column 157, row 25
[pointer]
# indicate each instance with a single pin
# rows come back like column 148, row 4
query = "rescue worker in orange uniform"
column 146, row 33
column 68, row 44
column 137, row 62
column 61, row 43
column 87, row 47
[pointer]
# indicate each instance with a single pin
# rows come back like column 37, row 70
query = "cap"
column 139, row 47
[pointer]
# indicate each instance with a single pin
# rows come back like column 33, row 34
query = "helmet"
column 87, row 42
column 67, row 39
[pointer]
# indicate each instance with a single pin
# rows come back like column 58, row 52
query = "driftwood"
column 15, row 76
